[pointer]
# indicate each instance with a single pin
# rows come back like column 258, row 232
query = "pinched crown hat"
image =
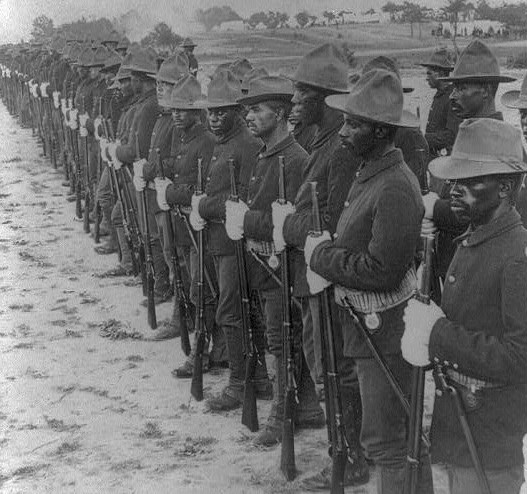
column 386, row 63
column 483, row 146
column 377, row 96
column 98, row 58
column 141, row 61
column 84, row 57
column 440, row 59
column 187, row 42
column 516, row 99
column 268, row 88
column 251, row 75
column 224, row 90
column 172, row 68
column 477, row 64
column 240, row 67
column 112, row 62
column 185, row 95
column 324, row 67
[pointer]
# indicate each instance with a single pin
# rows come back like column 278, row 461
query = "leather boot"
column 271, row 434
column 187, row 369
column 309, row 413
column 126, row 253
column 218, row 356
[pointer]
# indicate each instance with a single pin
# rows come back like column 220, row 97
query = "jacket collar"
column 324, row 134
column 278, row 147
column 372, row 168
column 503, row 223
column 193, row 132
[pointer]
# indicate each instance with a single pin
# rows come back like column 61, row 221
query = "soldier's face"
column 357, row 135
column 83, row 71
column 261, row 120
column 475, row 199
column 184, row 119
column 163, row 89
column 126, row 87
column 309, row 103
column 523, row 122
column 137, row 84
column 221, row 120
column 295, row 117
column 94, row 72
column 467, row 99
column 431, row 78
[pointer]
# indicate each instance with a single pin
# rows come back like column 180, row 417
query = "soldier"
column 371, row 263
column 234, row 141
column 188, row 46
column 322, row 72
column 268, row 103
column 190, row 141
column 518, row 100
column 441, row 128
column 475, row 81
column 479, row 335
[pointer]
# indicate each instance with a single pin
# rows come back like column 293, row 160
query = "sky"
column 16, row 16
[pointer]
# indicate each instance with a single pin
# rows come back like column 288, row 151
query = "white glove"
column 429, row 201
column 97, row 124
column 83, row 132
column 195, row 219
column 316, row 283
column 139, row 166
column 44, row 89
column 161, row 192
column 56, row 100
column 280, row 212
column 311, row 242
column 234, row 215
column 419, row 319
column 63, row 106
column 33, row 89
column 73, row 119
column 83, row 119
column 103, row 145
column 111, row 151
column 428, row 227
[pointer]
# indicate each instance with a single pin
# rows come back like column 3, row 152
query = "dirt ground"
column 83, row 413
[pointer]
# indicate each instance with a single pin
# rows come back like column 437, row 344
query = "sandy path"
column 84, row 414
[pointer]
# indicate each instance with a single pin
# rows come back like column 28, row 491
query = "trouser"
column 104, row 194
column 162, row 274
column 311, row 339
column 465, row 481
column 384, row 424
column 228, row 318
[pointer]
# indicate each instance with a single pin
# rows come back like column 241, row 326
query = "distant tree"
column 329, row 15
column 257, row 18
column 303, row 18
column 414, row 14
column 42, row 28
column 452, row 10
column 273, row 20
column 485, row 11
column 162, row 37
column 216, row 16
column 392, row 9
column 283, row 18
column 369, row 12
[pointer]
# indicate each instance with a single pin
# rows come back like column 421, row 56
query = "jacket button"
column 208, row 179
column 451, row 278
column 456, row 366
column 346, row 204
column 178, row 157
column 464, row 243
column 214, row 158
column 176, row 175
column 249, row 201
column 335, row 235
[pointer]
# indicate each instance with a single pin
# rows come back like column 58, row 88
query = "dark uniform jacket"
column 304, row 135
column 263, row 191
column 374, row 244
column 241, row 146
column 442, row 125
column 182, row 169
column 484, row 335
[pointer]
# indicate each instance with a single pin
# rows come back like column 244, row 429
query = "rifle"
column 339, row 446
column 78, row 180
column 52, row 137
column 287, row 458
column 97, row 224
column 249, row 412
column 152, row 321
column 196, row 387
column 87, row 194
column 181, row 295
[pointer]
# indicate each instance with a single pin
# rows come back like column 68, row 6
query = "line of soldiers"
column 286, row 215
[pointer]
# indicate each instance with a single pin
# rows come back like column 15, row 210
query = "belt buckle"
column 372, row 321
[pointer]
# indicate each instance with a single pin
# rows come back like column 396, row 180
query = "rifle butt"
column 152, row 321
column 196, row 386
column 97, row 225
column 249, row 410
column 185, row 339
column 78, row 201
column 86, row 217
column 287, row 458
column 339, row 460
column 144, row 277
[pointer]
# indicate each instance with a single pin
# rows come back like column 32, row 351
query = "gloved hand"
column 111, row 151
column 73, row 119
column 429, row 201
column 279, row 213
column 234, row 215
column 195, row 219
column 103, row 145
column 63, row 106
column 161, row 192
column 56, row 100
column 428, row 227
column 316, row 282
column 419, row 319
column 44, row 89
column 139, row 181
column 311, row 242
column 97, row 125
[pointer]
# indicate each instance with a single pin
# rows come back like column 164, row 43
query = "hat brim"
column 206, row 104
column 338, row 102
column 182, row 105
column 110, row 68
column 512, row 99
column 132, row 68
column 478, row 78
column 258, row 98
column 319, row 85
column 449, row 168
column 162, row 79
column 437, row 66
